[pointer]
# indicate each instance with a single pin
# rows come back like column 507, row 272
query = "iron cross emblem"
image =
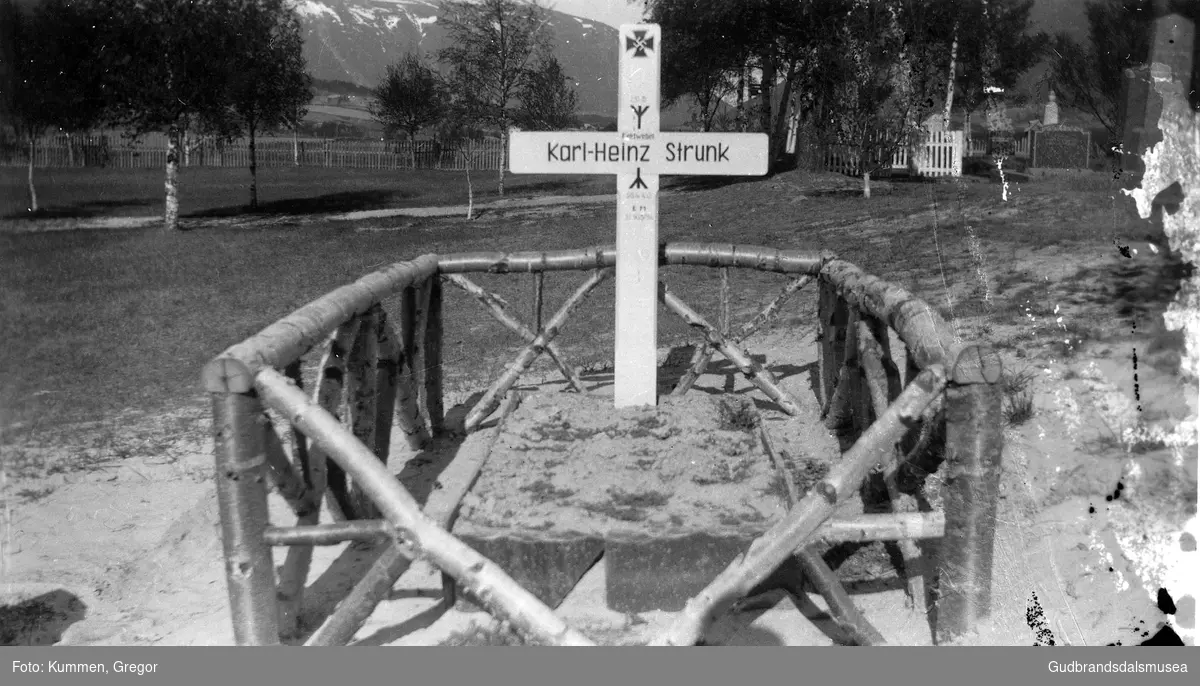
column 639, row 43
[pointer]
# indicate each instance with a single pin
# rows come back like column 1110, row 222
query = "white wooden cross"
column 638, row 153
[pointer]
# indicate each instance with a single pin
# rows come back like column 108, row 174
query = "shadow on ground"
column 346, row 201
column 692, row 184
column 41, row 620
column 85, row 210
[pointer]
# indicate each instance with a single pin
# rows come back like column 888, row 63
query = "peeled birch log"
column 883, row 378
column 431, row 392
column 395, row 559
column 599, row 257
column 703, row 355
column 361, row 380
column 293, row 573
column 496, row 308
column 745, row 364
column 929, row 338
column 832, row 313
column 421, row 302
column 387, row 373
column 772, row 548
column 408, row 416
column 842, row 414
column 289, row 586
column 328, row 394
column 286, row 340
column 491, row 398
column 841, row 607
column 486, row 581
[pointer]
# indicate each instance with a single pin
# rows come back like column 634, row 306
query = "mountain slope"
column 354, row 40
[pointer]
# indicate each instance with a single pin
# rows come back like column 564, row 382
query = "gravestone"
column 1060, row 147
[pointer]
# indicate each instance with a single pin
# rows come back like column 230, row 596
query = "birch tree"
column 874, row 103
column 547, row 98
column 177, row 61
column 494, row 47
column 54, row 77
column 268, row 86
column 410, row 98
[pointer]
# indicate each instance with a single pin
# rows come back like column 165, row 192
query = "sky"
column 1047, row 15
column 611, row 12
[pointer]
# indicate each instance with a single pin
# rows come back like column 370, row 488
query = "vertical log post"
column 293, row 573
column 420, row 362
column 409, row 345
column 874, row 332
column 832, row 313
column 539, row 286
column 240, row 462
column 432, row 358
column 725, row 301
column 386, row 375
column 361, row 386
column 406, row 412
column 974, row 441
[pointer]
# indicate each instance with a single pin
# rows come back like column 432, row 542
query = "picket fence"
column 939, row 154
column 150, row 152
column 980, row 146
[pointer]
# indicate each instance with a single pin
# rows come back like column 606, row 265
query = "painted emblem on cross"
column 640, row 43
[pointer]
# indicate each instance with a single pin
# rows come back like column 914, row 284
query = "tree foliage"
column 268, row 85
column 547, row 98
column 1014, row 50
column 410, row 97
column 53, row 77
column 494, row 47
column 1089, row 76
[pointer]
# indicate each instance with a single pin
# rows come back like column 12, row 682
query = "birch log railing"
column 375, row 376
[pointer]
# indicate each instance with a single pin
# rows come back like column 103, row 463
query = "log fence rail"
column 375, row 377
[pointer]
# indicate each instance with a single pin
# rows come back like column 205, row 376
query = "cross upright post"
column 638, row 153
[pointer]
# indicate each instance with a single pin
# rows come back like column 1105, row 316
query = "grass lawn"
column 209, row 191
column 95, row 322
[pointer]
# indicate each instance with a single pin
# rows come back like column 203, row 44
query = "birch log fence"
column 372, row 375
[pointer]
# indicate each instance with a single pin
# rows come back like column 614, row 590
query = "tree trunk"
column 253, row 168
column 778, row 147
column 950, row 80
column 171, row 210
column 967, row 131
column 503, row 158
column 470, row 188
column 764, row 95
column 33, row 205
column 295, row 147
column 741, row 98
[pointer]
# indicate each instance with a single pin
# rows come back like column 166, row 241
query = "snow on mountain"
column 354, row 40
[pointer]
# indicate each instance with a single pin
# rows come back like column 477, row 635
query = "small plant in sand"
column 1018, row 397
column 628, row 507
column 726, row 472
column 737, row 414
column 542, row 491
column 495, row 634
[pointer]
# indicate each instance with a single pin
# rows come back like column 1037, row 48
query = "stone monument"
column 1050, row 113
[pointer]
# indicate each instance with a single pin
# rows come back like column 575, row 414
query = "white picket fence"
column 939, row 154
column 150, row 152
